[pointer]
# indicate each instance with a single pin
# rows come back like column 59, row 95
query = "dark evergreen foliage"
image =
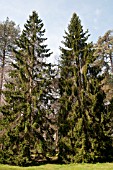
column 49, row 110
column 83, row 119
column 28, row 95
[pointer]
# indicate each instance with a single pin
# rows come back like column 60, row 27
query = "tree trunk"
column 2, row 77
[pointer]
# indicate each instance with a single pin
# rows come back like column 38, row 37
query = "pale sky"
column 95, row 15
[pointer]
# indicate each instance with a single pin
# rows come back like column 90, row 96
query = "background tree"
column 28, row 99
column 9, row 32
column 83, row 120
column 104, row 49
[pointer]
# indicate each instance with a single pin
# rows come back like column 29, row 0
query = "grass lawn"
column 99, row 166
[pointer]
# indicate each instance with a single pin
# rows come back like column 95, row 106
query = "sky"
column 95, row 15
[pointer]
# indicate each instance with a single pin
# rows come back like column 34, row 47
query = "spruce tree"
column 83, row 120
column 28, row 98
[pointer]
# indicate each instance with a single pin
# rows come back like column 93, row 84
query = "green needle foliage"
column 83, row 118
column 28, row 133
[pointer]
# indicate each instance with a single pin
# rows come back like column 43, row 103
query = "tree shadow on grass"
column 39, row 162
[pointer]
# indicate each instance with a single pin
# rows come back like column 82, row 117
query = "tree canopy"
column 55, row 112
column 28, row 97
column 83, row 119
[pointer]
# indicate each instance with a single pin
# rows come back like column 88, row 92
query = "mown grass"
column 99, row 166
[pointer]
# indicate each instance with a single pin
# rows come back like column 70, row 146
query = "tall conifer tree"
column 28, row 98
column 83, row 120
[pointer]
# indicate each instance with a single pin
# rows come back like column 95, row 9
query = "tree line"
column 60, row 111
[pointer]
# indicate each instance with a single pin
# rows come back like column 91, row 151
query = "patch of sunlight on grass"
column 98, row 166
